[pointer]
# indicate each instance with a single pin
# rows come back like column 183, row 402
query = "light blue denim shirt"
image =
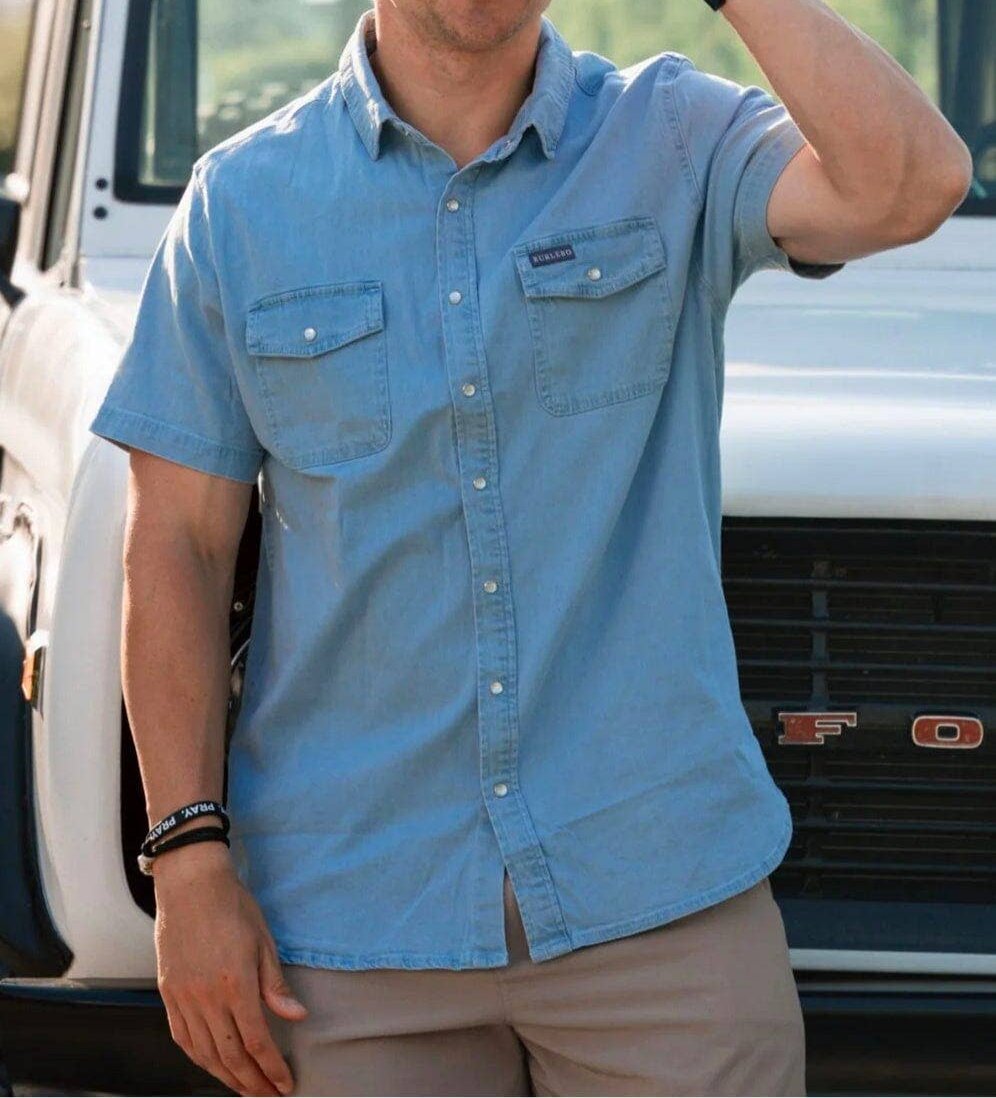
column 483, row 408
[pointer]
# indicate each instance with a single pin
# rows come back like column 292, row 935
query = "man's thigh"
column 399, row 1032
column 704, row 1005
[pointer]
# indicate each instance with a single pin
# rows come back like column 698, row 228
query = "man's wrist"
column 187, row 863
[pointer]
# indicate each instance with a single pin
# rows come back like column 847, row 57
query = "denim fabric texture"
column 483, row 409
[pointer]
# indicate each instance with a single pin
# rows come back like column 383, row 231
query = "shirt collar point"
column 359, row 86
column 553, row 87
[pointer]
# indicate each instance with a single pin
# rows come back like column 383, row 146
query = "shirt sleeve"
column 174, row 391
column 738, row 140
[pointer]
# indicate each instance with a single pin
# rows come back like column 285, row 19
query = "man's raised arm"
column 882, row 166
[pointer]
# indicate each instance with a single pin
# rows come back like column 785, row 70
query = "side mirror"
column 10, row 223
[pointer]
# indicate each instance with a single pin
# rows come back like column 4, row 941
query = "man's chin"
column 474, row 25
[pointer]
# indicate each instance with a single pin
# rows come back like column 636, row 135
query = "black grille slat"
column 900, row 827
column 942, row 870
column 832, row 665
column 974, row 695
column 904, row 628
column 859, row 785
column 733, row 582
column 891, row 620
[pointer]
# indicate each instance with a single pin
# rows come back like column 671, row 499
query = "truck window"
column 15, row 34
column 200, row 70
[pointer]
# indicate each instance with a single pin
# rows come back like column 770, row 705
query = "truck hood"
column 870, row 393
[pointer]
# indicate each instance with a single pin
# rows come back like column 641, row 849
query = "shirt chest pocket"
column 319, row 357
column 600, row 314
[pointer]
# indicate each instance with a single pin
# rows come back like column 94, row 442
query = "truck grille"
column 889, row 620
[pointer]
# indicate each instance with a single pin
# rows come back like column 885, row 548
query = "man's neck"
column 461, row 100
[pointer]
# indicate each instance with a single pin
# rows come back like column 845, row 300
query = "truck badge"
column 811, row 728
column 946, row 731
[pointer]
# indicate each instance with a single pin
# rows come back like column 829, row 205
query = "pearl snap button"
column 310, row 335
column 468, row 389
column 496, row 687
column 490, row 586
column 594, row 274
column 500, row 789
column 455, row 297
column 479, row 483
column 453, row 205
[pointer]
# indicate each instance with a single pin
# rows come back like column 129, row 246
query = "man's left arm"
column 882, row 166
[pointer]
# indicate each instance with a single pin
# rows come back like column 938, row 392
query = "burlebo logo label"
column 545, row 256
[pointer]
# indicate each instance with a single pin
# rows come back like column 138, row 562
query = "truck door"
column 41, row 83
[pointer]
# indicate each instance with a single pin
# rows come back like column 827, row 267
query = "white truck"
column 859, row 561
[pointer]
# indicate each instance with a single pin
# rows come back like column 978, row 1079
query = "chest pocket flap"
column 592, row 262
column 600, row 316
column 311, row 321
column 319, row 359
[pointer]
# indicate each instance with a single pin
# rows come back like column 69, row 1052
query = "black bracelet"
column 715, row 4
column 181, row 815
column 194, row 835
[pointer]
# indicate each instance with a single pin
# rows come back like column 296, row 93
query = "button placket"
column 478, row 464
column 475, row 431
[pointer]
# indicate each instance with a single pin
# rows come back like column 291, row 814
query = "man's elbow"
column 931, row 196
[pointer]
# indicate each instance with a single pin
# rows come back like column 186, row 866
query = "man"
column 499, row 822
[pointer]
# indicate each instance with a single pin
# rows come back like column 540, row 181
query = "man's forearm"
column 175, row 655
column 877, row 135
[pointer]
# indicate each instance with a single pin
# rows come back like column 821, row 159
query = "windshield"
column 198, row 71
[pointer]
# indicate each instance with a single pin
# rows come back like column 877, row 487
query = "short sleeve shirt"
column 482, row 407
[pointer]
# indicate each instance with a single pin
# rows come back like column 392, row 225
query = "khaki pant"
column 704, row 1005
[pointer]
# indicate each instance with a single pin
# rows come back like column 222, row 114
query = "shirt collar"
column 545, row 108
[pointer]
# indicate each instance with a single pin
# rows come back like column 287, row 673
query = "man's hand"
column 217, row 965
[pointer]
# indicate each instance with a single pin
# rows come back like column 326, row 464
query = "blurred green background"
column 15, row 21
column 629, row 30
column 256, row 54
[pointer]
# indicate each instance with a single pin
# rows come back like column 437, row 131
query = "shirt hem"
column 320, row 959
column 648, row 920
column 661, row 915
